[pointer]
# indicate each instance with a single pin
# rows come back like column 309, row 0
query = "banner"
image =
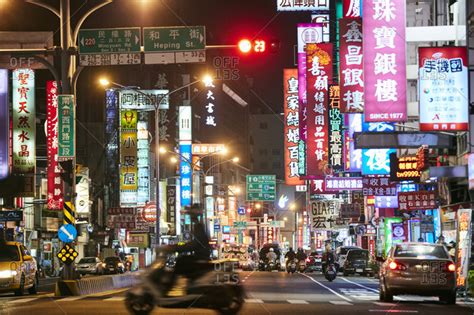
column 384, row 60
column 4, row 125
column 463, row 248
column 143, row 162
column 66, row 127
column 335, row 135
column 323, row 212
column 291, row 126
column 128, row 158
column 418, row 200
column 352, row 68
column 319, row 76
column 24, row 121
column 443, row 89
column 55, row 183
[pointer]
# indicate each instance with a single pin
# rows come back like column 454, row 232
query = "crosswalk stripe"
column 115, row 298
column 256, row 301
column 297, row 302
column 340, row 303
column 22, row 300
column 71, row 298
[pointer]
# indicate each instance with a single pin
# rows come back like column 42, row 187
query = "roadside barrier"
column 93, row 285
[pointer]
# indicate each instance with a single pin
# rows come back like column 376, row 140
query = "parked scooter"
column 209, row 280
column 291, row 266
column 330, row 272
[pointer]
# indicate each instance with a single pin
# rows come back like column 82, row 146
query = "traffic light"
column 258, row 46
column 249, row 210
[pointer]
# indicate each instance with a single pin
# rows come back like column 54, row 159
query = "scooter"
column 291, row 266
column 209, row 281
column 330, row 273
column 301, row 265
column 271, row 265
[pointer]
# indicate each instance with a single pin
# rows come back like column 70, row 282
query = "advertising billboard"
column 185, row 172
column 128, row 157
column 335, row 135
column 443, row 89
column 5, row 125
column 298, row 5
column 384, row 60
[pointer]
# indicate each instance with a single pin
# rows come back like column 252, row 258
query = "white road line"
column 22, row 300
column 360, row 285
column 254, row 301
column 393, row 311
column 340, row 303
column 115, row 298
column 327, row 288
column 71, row 298
column 297, row 302
column 385, row 304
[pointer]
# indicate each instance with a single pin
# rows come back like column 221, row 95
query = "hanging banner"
column 55, row 182
column 306, row 33
column 319, row 76
column 323, row 212
column 4, row 125
column 384, row 60
column 298, row 5
column 463, row 248
column 443, row 89
column 66, row 127
column 335, row 135
column 24, row 121
column 417, row 200
column 186, row 173
column 352, row 8
column 291, row 121
column 143, row 161
column 351, row 66
column 128, row 158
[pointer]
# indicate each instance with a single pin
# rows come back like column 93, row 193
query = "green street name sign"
column 261, row 187
column 240, row 224
column 66, row 127
column 110, row 40
column 175, row 38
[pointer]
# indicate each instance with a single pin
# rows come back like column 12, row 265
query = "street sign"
column 67, row 254
column 240, row 225
column 109, row 46
column 217, row 226
column 11, row 215
column 67, row 233
column 241, row 210
column 277, row 224
column 66, row 127
column 176, row 44
column 261, row 187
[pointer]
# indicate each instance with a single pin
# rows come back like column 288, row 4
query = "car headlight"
column 7, row 273
column 120, row 265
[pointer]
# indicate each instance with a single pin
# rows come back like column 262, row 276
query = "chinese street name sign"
column 145, row 100
column 67, row 126
column 261, row 187
column 109, row 46
column 176, row 44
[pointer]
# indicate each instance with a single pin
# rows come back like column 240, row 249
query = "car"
column 418, row 269
column 341, row 253
column 357, row 261
column 90, row 265
column 114, row 264
column 18, row 269
column 314, row 261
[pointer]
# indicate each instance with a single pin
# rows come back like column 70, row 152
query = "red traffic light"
column 245, row 46
column 258, row 46
column 249, row 210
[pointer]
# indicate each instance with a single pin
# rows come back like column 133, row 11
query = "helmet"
column 271, row 249
column 291, row 249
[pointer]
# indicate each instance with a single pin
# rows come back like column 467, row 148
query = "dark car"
column 357, row 261
column 314, row 261
column 114, row 265
column 263, row 255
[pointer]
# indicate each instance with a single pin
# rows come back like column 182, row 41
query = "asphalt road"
column 267, row 293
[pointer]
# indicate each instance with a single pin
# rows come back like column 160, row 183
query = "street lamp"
column 103, row 81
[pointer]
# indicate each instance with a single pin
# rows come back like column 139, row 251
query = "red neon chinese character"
column 23, row 136
column 23, row 77
column 22, row 91
column 23, row 108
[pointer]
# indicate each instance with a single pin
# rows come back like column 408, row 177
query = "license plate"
column 111, row 268
column 317, row 260
column 359, row 270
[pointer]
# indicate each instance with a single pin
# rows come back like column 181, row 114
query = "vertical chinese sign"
column 23, row 99
column 185, row 172
column 351, row 8
column 318, row 75
column 143, row 162
column 292, row 136
column 171, row 207
column 66, row 127
column 55, row 183
column 335, row 136
column 444, row 91
column 353, row 155
column 384, row 60
column 463, row 249
column 352, row 72
column 128, row 158
column 4, row 125
column 210, row 104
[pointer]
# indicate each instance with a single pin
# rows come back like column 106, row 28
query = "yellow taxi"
column 18, row 270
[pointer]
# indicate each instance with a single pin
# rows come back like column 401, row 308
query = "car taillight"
column 308, row 260
column 451, row 267
column 393, row 265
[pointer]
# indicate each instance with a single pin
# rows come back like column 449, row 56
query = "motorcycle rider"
column 290, row 256
column 301, row 255
column 271, row 256
column 328, row 258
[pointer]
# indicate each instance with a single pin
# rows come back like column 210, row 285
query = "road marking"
column 465, row 303
column 116, row 298
column 327, row 288
column 340, row 303
column 385, row 304
column 255, row 301
column 71, row 298
column 22, row 300
column 393, row 311
column 297, row 302
column 360, row 285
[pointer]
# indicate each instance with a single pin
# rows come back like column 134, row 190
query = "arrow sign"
column 67, row 233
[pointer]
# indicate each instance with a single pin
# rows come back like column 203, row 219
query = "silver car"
column 418, row 269
column 90, row 265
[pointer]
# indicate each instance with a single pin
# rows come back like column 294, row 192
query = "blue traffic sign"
column 67, row 233
column 241, row 210
column 217, row 226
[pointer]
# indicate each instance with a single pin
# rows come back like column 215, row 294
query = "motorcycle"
column 271, row 265
column 291, row 266
column 301, row 265
column 330, row 272
column 209, row 279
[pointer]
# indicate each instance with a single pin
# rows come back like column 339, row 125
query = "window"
column 9, row 253
column 420, row 251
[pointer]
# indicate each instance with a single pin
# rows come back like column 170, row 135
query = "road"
column 267, row 293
